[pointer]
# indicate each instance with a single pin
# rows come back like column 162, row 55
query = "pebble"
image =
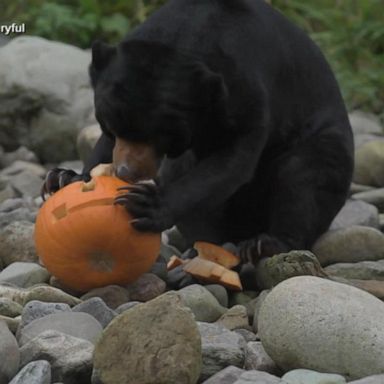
column 373, row 197
column 226, row 376
column 9, row 308
column 258, row 377
column 16, row 243
column 157, row 342
column 259, row 301
column 124, row 307
column 356, row 212
column 19, row 214
column 112, row 295
column 365, row 123
column 76, row 324
column 24, row 274
column 309, row 322
column 257, row 359
column 12, row 322
column 219, row 292
column 306, row 376
column 70, row 357
column 98, row 309
column 374, row 379
column 35, row 372
column 363, row 270
column 351, row 245
column 247, row 335
column 203, row 304
column 146, row 287
column 220, row 348
column 9, row 354
column 50, row 295
column 21, row 153
column 235, row 317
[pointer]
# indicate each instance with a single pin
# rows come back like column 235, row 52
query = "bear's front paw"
column 58, row 178
column 144, row 202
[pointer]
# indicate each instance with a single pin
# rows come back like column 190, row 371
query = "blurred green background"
column 350, row 32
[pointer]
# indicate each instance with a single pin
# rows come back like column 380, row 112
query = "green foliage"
column 350, row 33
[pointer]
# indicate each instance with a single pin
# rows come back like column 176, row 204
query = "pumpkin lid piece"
column 217, row 254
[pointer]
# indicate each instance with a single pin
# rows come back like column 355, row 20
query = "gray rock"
column 159, row 268
column 124, row 307
column 352, row 244
column 203, row 304
column 70, row 357
column 176, row 239
column 226, row 376
column 299, row 326
column 146, row 287
column 247, row 335
column 36, row 309
column 365, row 123
column 6, row 191
column 9, row 308
column 12, row 323
column 98, row 309
column 357, row 188
column 24, row 274
column 306, row 376
column 258, row 303
column 374, row 197
column 167, row 251
column 35, row 372
column 76, row 324
column 26, row 184
column 241, row 298
column 20, row 166
column 235, row 317
column 153, row 343
column 259, row 360
column 49, row 295
column 112, row 295
column 258, row 377
column 219, row 292
column 75, row 165
column 356, row 212
column 86, row 140
column 381, row 219
column 9, row 354
column 19, row 214
column 10, row 205
column 21, row 153
column 48, row 101
column 16, row 243
column 221, row 348
column 369, row 164
column 375, row 379
column 364, row 270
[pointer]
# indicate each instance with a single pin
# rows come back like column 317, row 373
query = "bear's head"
column 154, row 102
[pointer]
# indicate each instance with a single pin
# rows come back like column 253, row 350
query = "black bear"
column 235, row 114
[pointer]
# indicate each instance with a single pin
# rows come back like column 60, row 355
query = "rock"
column 241, row 298
column 299, row 326
column 221, row 348
column 12, row 323
column 98, row 309
column 219, row 292
column 374, row 197
column 258, row 377
column 126, row 306
column 112, row 295
column 257, row 359
column 24, row 274
column 35, row 372
column 374, row 379
column 159, row 268
column 356, row 212
column 157, row 342
column 16, row 243
column 76, row 324
column 167, row 251
column 9, row 308
column 235, row 317
column 20, row 214
column 56, row 283
column 26, row 184
column 363, row 270
column 8, row 291
column 47, row 102
column 374, row 287
column 259, row 302
column 176, row 239
column 305, row 376
column 146, row 287
column 369, row 164
column 75, row 165
column 10, row 205
column 22, row 153
column 352, row 244
column 9, row 354
column 70, row 357
column 203, row 304
column 6, row 191
column 20, row 166
column 247, row 335
column 49, row 295
column 365, row 123
column 270, row 271
column 86, row 140
column 226, row 376
column 36, row 309
column 357, row 188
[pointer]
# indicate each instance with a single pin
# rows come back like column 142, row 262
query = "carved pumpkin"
column 87, row 242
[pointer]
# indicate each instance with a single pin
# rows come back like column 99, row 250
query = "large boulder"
column 45, row 96
column 313, row 323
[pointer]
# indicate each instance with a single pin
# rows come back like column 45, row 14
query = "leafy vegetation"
column 350, row 32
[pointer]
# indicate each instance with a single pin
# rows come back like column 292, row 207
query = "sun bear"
column 235, row 114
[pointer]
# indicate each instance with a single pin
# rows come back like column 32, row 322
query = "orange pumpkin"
column 87, row 242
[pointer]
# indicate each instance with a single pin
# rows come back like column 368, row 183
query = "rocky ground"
column 324, row 328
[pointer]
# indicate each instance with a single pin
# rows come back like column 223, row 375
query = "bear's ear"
column 101, row 55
